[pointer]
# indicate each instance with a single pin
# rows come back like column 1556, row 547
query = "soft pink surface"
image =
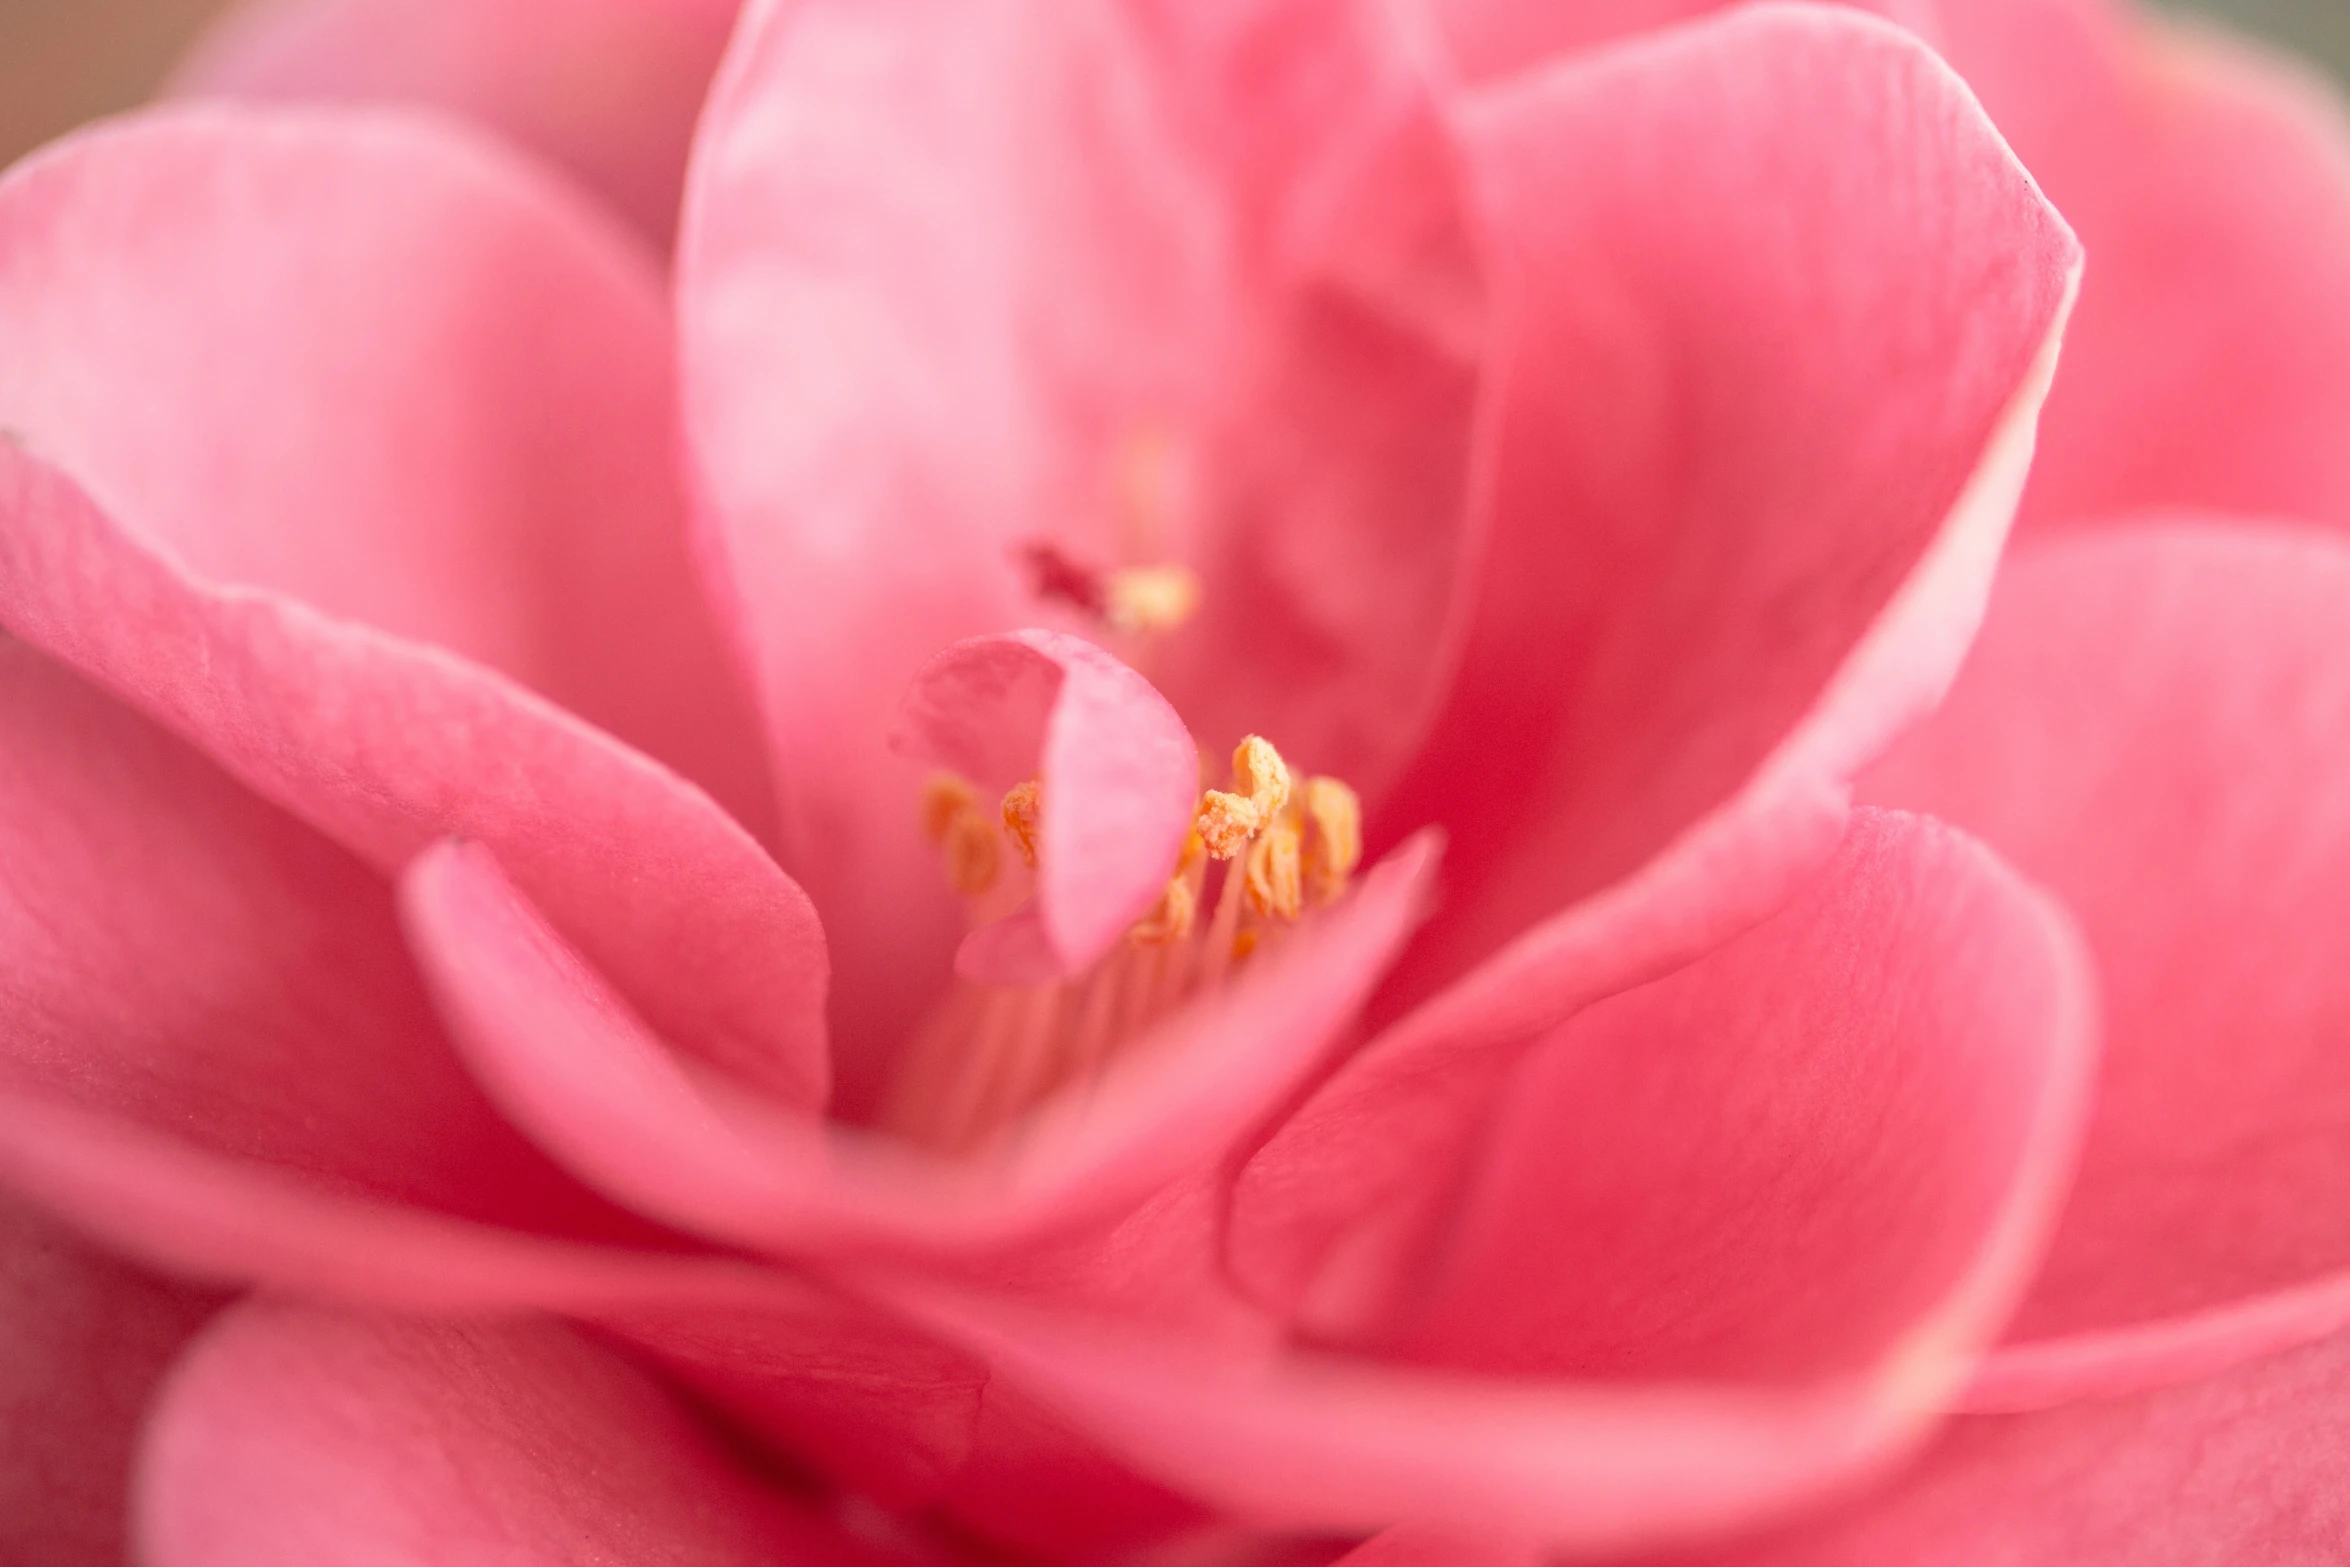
column 957, row 280
column 1790, row 451
column 1119, row 775
column 1802, row 1295
column 83, row 1338
column 295, row 1435
column 2242, row 1468
column 2209, row 365
column 607, row 88
column 2153, row 725
column 466, row 375
column 565, row 1059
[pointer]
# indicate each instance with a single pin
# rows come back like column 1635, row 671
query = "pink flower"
column 521, row 886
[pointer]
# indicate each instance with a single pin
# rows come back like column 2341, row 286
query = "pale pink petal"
column 83, row 1339
column 1494, row 38
column 1119, row 775
column 381, row 367
column 292, row 1435
column 609, row 89
column 2156, row 725
column 1789, row 449
column 2209, row 364
column 1150, row 283
column 565, row 1058
column 2242, row 1468
column 381, row 742
column 1808, row 1177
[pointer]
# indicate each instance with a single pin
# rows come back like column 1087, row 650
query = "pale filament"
column 1278, row 849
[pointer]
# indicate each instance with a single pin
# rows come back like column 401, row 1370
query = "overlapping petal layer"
column 610, row 89
column 2152, row 725
column 1822, row 1192
column 1149, row 284
column 1748, row 481
column 292, row 1434
column 364, row 366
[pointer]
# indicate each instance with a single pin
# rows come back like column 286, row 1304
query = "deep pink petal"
column 1119, row 772
column 2156, row 725
column 385, row 745
column 83, row 1339
column 294, row 1435
column 1786, row 416
column 566, row 1060
column 1783, row 1201
column 381, row 367
column 1789, row 499
column 1146, row 282
column 2209, row 364
column 609, row 89
column 2241, row 1468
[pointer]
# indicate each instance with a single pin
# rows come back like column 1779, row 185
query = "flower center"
column 1263, row 857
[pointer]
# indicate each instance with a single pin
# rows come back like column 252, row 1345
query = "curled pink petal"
column 1927, row 1006
column 83, row 1339
column 1784, row 538
column 2153, row 726
column 224, row 458
column 292, row 1434
column 563, row 1056
column 1119, row 773
column 609, row 89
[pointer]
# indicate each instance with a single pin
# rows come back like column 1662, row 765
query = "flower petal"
column 1488, row 39
column 1149, row 284
column 293, row 1435
column 1791, row 448
column 607, row 88
column 2156, row 725
column 1901, row 1060
column 2241, row 1468
column 2209, row 364
column 1119, row 772
column 566, row 1060
column 398, row 365
column 83, row 1339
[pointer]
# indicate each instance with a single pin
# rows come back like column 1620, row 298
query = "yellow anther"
column 1171, row 919
column 1148, row 599
column 1333, row 837
column 1259, row 773
column 1243, row 945
column 1274, row 887
column 945, row 797
column 1024, row 818
column 1225, row 824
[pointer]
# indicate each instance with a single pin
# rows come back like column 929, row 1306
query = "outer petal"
column 83, row 1339
column 1487, row 39
column 566, row 1059
column 2242, row 1468
column 1149, row 282
column 295, row 1435
column 610, row 89
column 2209, row 365
column 2157, row 725
column 228, row 327
column 1119, row 772
column 1868, row 1107
column 1788, row 449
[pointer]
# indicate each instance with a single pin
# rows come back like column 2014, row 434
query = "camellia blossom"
column 1177, row 781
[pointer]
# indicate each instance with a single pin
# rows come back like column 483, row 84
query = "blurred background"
column 62, row 61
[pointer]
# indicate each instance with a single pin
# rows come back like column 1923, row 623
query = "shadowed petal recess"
column 609, row 89
column 1781, row 310
column 293, row 1435
column 1144, row 319
column 296, row 406
column 1738, row 1239
column 2156, row 726
column 83, row 1339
